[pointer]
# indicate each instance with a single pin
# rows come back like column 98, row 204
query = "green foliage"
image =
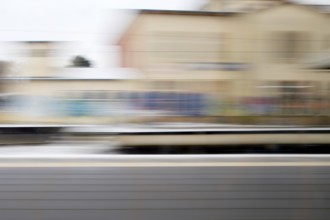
column 80, row 61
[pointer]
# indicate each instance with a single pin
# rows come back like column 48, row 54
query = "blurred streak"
column 230, row 77
column 234, row 62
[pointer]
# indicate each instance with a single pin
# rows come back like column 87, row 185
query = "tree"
column 80, row 61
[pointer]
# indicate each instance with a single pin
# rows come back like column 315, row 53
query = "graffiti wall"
column 135, row 104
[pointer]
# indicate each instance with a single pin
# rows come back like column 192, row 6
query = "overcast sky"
column 91, row 24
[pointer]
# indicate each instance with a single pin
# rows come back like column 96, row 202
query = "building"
column 261, row 61
column 45, row 93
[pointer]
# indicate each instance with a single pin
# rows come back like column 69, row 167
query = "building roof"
column 318, row 8
column 185, row 12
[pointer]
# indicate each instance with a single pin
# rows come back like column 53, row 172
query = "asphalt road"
column 165, row 193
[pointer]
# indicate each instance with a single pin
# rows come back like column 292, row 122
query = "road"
column 228, row 188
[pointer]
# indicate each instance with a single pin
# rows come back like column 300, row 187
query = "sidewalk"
column 111, row 160
column 57, row 149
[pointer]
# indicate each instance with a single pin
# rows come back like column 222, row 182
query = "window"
column 294, row 97
column 288, row 97
column 289, row 45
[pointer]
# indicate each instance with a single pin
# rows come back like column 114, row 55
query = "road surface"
column 228, row 188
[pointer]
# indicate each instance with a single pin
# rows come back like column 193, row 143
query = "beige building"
column 43, row 92
column 265, row 59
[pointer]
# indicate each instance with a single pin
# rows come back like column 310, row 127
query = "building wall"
column 268, row 56
column 54, row 87
column 42, row 94
column 37, row 59
column 175, row 42
column 270, row 47
column 132, row 44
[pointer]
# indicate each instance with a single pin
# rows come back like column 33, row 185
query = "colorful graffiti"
column 159, row 103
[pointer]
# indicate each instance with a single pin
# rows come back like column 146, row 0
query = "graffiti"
column 154, row 103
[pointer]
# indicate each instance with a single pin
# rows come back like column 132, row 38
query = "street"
column 235, row 188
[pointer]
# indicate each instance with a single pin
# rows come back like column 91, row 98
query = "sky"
column 91, row 25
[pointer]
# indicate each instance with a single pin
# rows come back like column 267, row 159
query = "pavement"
column 117, row 160
column 59, row 148
column 193, row 187
column 66, row 182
